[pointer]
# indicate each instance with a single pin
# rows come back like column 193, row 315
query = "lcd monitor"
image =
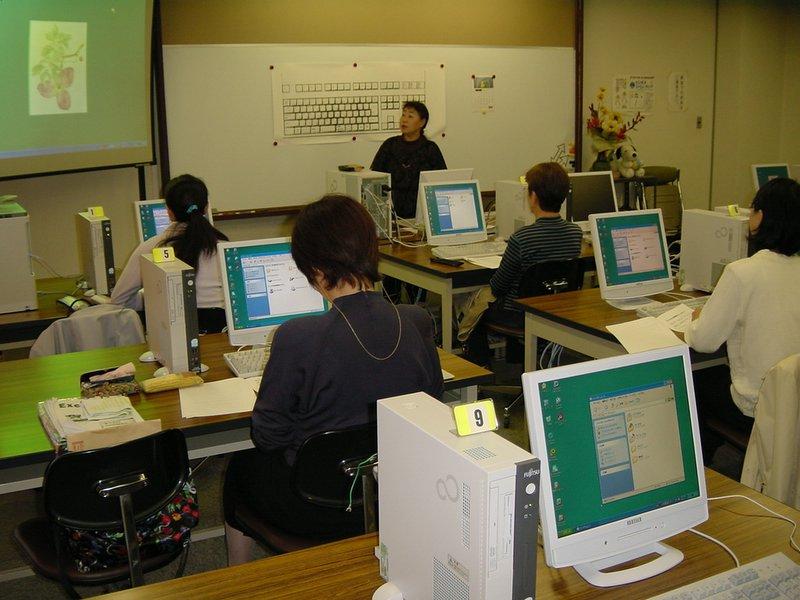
column 453, row 213
column 631, row 254
column 440, row 176
column 590, row 193
column 152, row 217
column 263, row 288
column 621, row 461
column 764, row 173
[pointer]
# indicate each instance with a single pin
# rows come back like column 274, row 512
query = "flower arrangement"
column 607, row 128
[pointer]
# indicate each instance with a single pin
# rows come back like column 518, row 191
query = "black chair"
column 108, row 489
column 323, row 475
column 549, row 277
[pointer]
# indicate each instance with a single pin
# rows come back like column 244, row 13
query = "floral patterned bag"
column 161, row 532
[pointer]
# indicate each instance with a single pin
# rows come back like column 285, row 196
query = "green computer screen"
column 631, row 248
column 454, row 208
column 154, row 219
column 619, row 443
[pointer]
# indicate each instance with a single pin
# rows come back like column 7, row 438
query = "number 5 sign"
column 475, row 417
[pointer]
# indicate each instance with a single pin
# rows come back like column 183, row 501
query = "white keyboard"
column 494, row 248
column 658, row 309
column 247, row 363
column 774, row 576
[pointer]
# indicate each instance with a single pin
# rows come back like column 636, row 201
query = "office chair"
column 549, row 277
column 772, row 463
column 322, row 475
column 665, row 183
column 108, row 489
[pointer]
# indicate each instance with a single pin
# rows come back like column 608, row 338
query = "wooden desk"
column 25, row 449
column 414, row 266
column 349, row 570
column 577, row 320
column 20, row 329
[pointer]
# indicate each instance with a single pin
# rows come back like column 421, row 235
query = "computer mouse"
column 147, row 357
column 686, row 288
column 78, row 304
column 89, row 292
column 203, row 368
column 160, row 372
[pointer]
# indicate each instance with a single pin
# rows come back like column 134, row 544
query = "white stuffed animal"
column 626, row 161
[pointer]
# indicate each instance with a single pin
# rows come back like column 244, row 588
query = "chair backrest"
column 772, row 462
column 665, row 193
column 326, row 464
column 101, row 326
column 70, row 482
column 551, row 277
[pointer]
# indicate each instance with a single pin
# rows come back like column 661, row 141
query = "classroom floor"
column 208, row 544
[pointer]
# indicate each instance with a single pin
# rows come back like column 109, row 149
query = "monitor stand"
column 629, row 303
column 592, row 571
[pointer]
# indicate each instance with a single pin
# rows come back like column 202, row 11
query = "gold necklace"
column 360, row 343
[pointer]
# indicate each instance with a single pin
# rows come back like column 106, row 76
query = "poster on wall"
column 634, row 93
column 483, row 93
column 334, row 103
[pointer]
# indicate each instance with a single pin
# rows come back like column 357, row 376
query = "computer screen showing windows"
column 263, row 288
column 631, row 255
column 152, row 217
column 453, row 213
column 590, row 193
column 764, row 173
column 621, row 444
column 438, row 176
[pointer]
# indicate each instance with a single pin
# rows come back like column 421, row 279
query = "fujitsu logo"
column 633, row 521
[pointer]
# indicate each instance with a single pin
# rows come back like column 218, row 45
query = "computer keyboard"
column 493, row 248
column 247, row 363
column 775, row 576
column 656, row 310
column 318, row 108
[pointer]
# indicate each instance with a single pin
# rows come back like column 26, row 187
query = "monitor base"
column 628, row 303
column 592, row 571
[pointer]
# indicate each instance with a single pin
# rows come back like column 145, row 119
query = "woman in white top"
column 194, row 239
column 755, row 307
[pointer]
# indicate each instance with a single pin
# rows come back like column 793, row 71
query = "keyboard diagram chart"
column 329, row 103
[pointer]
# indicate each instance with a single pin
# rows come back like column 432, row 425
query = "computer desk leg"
column 531, row 344
column 469, row 393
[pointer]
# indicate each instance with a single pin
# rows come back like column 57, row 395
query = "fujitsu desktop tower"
column 17, row 281
column 370, row 188
column 458, row 515
column 96, row 252
column 710, row 240
column 170, row 305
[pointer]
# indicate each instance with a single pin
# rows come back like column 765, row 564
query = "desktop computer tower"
column 170, row 305
column 512, row 211
column 458, row 515
column 96, row 252
column 371, row 189
column 17, row 281
column 709, row 241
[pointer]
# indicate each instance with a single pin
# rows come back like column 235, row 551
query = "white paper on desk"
column 678, row 318
column 224, row 397
column 447, row 375
column 254, row 383
column 487, row 262
column 643, row 334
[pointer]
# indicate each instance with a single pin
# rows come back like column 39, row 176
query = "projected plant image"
column 58, row 67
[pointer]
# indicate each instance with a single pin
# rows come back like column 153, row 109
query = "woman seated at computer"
column 754, row 308
column 194, row 239
column 404, row 156
column 326, row 372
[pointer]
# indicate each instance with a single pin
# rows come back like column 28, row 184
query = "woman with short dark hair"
column 326, row 372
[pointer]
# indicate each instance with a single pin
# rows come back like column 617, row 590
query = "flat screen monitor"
column 440, row 176
column 453, row 213
column 621, row 460
column 764, row 173
column 152, row 217
column 590, row 193
column 631, row 254
column 263, row 288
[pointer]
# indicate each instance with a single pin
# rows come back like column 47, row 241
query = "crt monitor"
column 438, row 176
column 453, row 213
column 621, row 460
column 589, row 193
column 263, row 288
column 152, row 217
column 764, row 173
column 631, row 254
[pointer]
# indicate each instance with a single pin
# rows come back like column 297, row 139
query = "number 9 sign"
column 475, row 417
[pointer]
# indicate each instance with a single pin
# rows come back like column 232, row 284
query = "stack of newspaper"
column 62, row 417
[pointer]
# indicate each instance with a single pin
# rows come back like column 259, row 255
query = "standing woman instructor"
column 404, row 156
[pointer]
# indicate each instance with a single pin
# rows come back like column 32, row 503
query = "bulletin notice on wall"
column 634, row 93
column 330, row 103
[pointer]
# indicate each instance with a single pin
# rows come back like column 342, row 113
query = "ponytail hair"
column 187, row 197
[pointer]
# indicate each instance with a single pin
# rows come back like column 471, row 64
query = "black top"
column 403, row 161
column 319, row 378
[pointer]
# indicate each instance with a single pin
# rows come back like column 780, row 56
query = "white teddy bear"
column 626, row 161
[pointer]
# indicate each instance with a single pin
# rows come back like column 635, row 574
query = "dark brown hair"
column 779, row 203
column 335, row 236
column 420, row 109
column 550, row 183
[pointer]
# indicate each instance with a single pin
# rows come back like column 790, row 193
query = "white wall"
column 658, row 37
